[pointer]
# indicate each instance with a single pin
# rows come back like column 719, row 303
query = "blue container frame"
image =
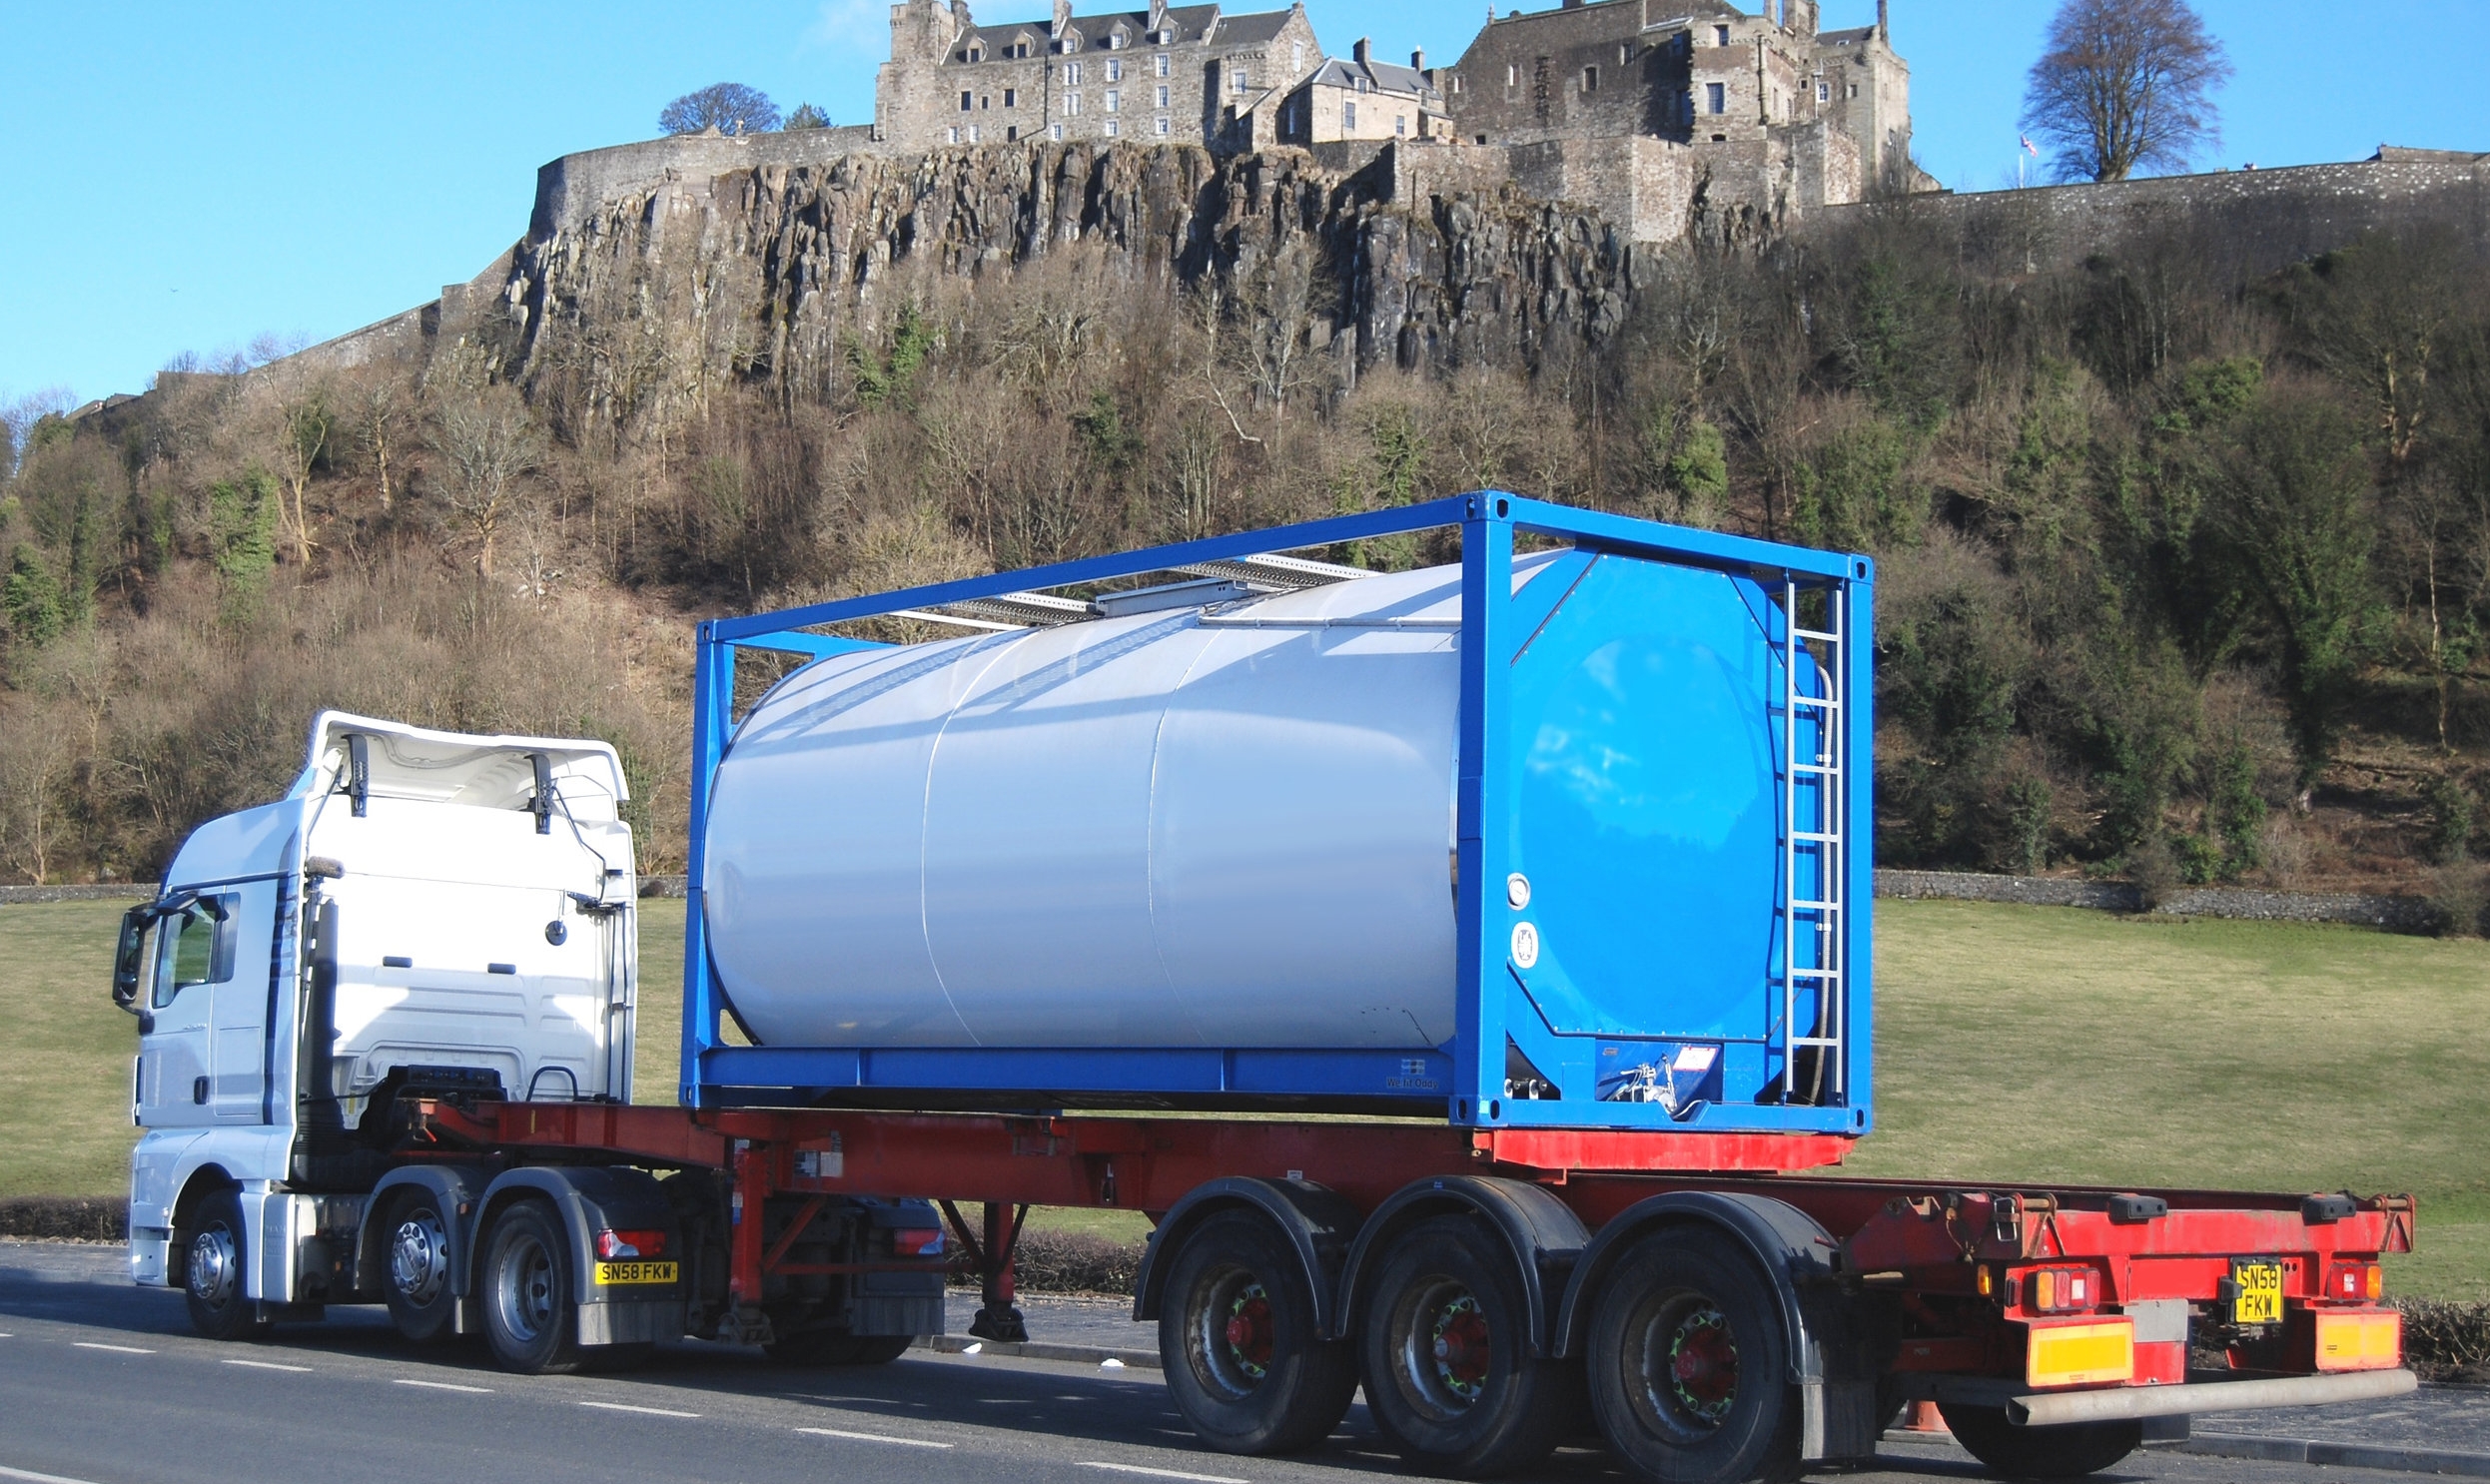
column 1464, row 1081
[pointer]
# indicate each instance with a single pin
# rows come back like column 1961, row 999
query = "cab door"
column 239, row 1004
column 193, row 950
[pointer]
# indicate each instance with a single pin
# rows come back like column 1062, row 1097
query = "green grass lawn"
column 2022, row 1044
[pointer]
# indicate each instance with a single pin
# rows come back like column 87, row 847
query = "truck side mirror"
column 128, row 971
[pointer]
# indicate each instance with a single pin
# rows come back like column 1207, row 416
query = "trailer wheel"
column 1239, row 1344
column 1688, row 1364
column 421, row 1298
column 1445, row 1353
column 215, row 1272
column 530, row 1318
column 2068, row 1452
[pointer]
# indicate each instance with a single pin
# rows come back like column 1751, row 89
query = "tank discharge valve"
column 1657, row 1082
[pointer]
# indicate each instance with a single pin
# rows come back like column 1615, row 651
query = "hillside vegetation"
column 2181, row 577
column 2025, row 1045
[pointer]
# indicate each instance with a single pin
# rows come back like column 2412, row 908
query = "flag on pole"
column 2030, row 148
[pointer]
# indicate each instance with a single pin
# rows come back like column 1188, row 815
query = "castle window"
column 1244, row 78
column 1590, row 79
column 1010, row 97
column 1163, row 128
column 1115, row 101
column 1512, row 73
column 1625, row 53
column 968, row 102
column 1348, row 116
column 1720, row 36
column 1113, row 127
column 1163, row 95
column 1115, row 70
column 1072, row 74
column 1853, row 90
column 1158, row 64
column 1114, row 41
column 1716, row 97
column 1401, row 125
column 976, row 134
column 1824, row 92
column 1072, row 105
column 1055, row 132
column 985, row 102
column 954, row 136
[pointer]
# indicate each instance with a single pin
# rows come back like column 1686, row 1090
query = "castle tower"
column 921, row 31
column 1801, row 18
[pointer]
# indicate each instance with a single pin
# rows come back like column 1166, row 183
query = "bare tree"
column 302, row 427
column 488, row 445
column 2125, row 85
column 378, row 405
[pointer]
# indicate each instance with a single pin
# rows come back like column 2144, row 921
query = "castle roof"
column 1193, row 25
column 1380, row 77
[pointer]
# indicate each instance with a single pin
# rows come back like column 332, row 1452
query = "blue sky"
column 185, row 176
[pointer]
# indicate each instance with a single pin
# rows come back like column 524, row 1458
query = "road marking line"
column 34, row 1478
column 625, row 1406
column 871, row 1438
column 440, row 1385
column 1135, row 1468
column 116, row 1349
column 271, row 1365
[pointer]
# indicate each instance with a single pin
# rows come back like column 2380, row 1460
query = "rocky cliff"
column 762, row 273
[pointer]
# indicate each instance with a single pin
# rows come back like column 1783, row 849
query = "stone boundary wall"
column 2241, row 222
column 21, row 896
column 569, row 189
column 2394, row 913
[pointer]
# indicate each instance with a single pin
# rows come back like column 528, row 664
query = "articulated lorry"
column 1467, row 971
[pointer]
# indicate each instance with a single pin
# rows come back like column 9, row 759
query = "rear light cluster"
column 2358, row 1282
column 2061, row 1290
column 611, row 1246
column 910, row 1241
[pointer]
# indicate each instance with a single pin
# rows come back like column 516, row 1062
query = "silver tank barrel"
column 1175, row 829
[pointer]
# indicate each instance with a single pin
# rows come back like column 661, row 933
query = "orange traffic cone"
column 1924, row 1417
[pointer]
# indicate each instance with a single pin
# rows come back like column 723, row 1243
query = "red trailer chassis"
column 2013, row 1306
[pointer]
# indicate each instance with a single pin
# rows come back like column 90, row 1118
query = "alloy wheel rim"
column 526, row 1291
column 214, row 1266
column 419, row 1258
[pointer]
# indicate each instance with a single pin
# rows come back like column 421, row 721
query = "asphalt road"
column 104, row 1383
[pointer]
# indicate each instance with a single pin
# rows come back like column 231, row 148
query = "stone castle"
column 1635, row 105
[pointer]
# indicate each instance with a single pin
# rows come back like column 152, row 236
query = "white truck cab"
column 422, row 911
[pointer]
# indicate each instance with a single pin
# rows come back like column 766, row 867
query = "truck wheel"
column 2066, row 1452
column 1238, row 1344
column 1687, row 1358
column 216, row 1272
column 421, row 1304
column 828, row 1348
column 530, row 1318
column 1445, row 1353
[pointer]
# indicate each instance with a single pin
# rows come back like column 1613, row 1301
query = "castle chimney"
column 1417, row 60
column 1363, row 51
column 1158, row 17
column 1063, row 19
column 1884, row 22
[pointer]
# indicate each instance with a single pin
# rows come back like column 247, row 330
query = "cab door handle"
column 199, row 1091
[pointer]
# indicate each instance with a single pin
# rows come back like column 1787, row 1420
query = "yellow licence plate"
column 2260, row 1292
column 634, row 1272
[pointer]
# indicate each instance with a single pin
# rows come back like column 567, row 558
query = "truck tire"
column 2068, row 1452
column 216, row 1272
column 1445, row 1348
column 1239, row 1344
column 531, row 1320
column 827, row 1347
column 1688, row 1363
column 422, row 1299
